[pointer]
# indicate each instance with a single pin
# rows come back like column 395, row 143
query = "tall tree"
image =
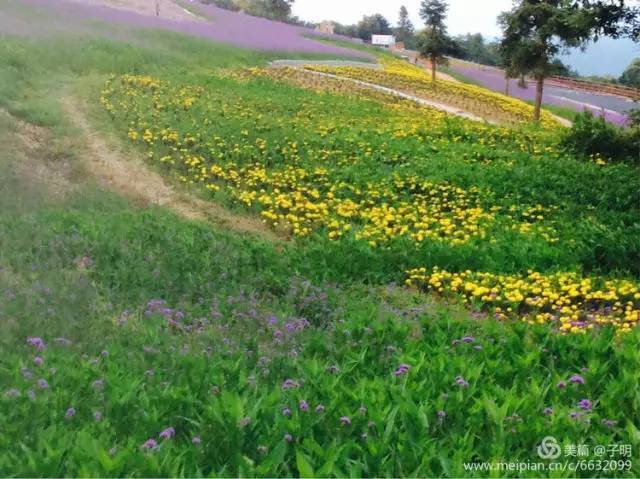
column 405, row 30
column 434, row 43
column 375, row 24
column 631, row 76
column 535, row 31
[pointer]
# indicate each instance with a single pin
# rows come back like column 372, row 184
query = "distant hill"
column 606, row 57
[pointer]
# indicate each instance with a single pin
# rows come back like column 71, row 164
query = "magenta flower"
column 402, row 369
column 441, row 414
column 70, row 413
column 168, row 433
column 290, row 384
column 460, row 381
column 196, row 441
column 38, row 343
column 43, row 384
column 150, row 444
column 562, row 385
column 286, row 412
column 38, row 361
column 345, row 421
column 576, row 379
column 304, row 406
column 585, row 404
column 468, row 339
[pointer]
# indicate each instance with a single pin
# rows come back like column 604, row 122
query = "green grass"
column 241, row 315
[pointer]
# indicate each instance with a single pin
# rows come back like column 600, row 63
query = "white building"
column 386, row 41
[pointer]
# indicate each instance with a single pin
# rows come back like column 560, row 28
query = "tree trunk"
column 433, row 69
column 539, row 91
column 506, row 83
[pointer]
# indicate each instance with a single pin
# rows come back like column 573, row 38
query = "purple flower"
column 585, row 404
column 70, row 413
column 168, row 433
column 562, row 385
column 97, row 384
column 575, row 415
column 150, row 444
column 38, row 343
column 26, row 373
column 319, row 408
column 402, row 369
column 12, row 393
column 548, row 411
column 609, row 422
column 455, row 342
column 304, row 405
column 468, row 339
column 196, row 441
column 290, row 384
column 345, row 421
column 97, row 415
column 333, row 369
column 43, row 384
column 477, row 347
column 286, row 412
column 441, row 414
column 576, row 379
column 38, row 361
column 460, row 381
column 104, row 354
column 288, row 437
column 32, row 394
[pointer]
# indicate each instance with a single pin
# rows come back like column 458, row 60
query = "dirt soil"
column 130, row 176
column 168, row 9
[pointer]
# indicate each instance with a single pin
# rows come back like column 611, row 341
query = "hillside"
column 214, row 263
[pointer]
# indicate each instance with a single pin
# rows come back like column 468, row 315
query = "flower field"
column 356, row 179
column 425, row 295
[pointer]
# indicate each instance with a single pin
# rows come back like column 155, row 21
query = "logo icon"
column 549, row 448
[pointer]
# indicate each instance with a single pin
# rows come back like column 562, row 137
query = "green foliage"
column 405, row 32
column 592, row 135
column 631, row 76
column 375, row 24
column 434, row 42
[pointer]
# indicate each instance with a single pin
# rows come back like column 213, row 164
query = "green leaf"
column 304, row 468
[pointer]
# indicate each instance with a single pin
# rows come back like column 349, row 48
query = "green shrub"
column 592, row 135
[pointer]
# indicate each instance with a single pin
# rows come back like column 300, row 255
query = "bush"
column 592, row 135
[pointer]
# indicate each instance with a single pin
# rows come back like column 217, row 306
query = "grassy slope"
column 138, row 255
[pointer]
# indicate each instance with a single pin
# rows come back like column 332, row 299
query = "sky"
column 607, row 57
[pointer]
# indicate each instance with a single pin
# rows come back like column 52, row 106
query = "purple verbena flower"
column 196, row 441
column 345, row 421
column 548, row 411
column 319, row 408
column 70, row 413
column 286, row 412
column 585, row 405
column 150, row 444
column 402, row 369
column 290, row 384
column 168, row 433
column 562, row 385
column 97, row 415
column 575, row 415
column 441, row 414
column 12, row 393
column 460, row 381
column 576, row 379
column 288, row 437
column 609, row 422
column 97, row 384
column 38, row 361
column 43, row 384
column 304, row 406
column 38, row 343
column 468, row 339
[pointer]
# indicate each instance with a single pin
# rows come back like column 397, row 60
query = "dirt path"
column 167, row 9
column 429, row 103
column 129, row 175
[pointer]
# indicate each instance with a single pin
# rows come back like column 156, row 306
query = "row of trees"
column 534, row 33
